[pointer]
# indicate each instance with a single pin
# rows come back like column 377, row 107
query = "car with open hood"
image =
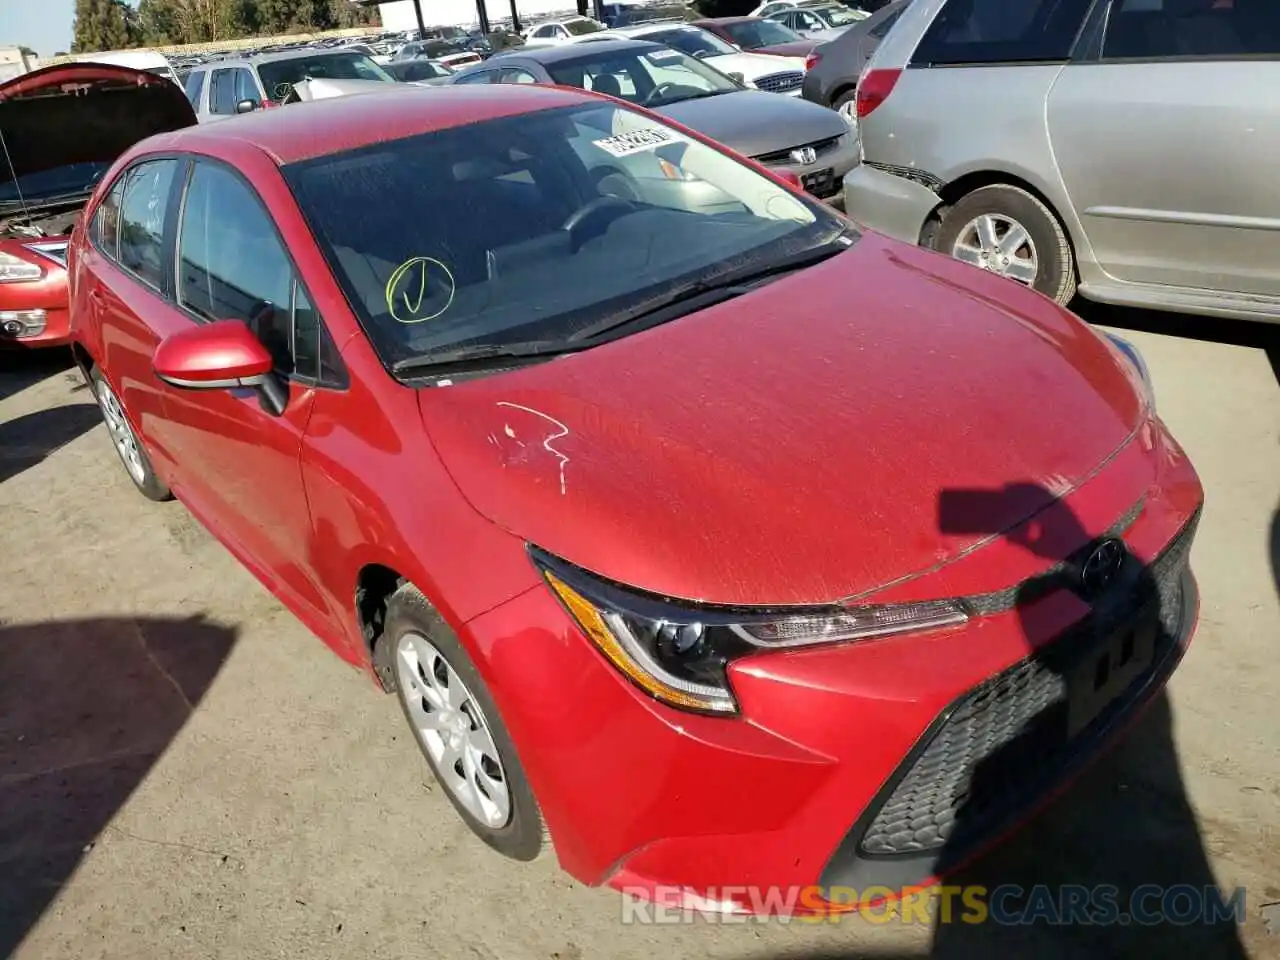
column 725, row 542
column 784, row 133
column 62, row 128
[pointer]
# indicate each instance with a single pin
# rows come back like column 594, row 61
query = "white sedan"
column 760, row 70
column 564, row 30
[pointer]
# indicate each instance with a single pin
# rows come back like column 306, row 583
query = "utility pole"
column 422, row 24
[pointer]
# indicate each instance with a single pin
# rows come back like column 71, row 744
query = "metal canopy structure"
column 422, row 11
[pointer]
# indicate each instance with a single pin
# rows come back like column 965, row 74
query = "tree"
column 102, row 25
column 345, row 15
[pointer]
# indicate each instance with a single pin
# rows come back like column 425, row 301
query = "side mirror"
column 246, row 106
column 222, row 355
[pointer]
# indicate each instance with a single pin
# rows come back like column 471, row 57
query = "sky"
column 43, row 25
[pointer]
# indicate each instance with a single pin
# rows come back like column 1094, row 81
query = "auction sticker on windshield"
column 637, row 141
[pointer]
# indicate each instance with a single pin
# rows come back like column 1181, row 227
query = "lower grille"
column 1006, row 741
column 781, row 82
column 824, row 184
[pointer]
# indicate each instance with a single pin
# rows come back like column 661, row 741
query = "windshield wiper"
column 708, row 291
column 477, row 356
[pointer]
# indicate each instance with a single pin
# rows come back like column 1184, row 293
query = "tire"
column 1049, row 250
column 428, row 660
column 133, row 456
column 846, row 102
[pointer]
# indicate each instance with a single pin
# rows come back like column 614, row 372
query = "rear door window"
column 481, row 76
column 1002, row 31
column 246, row 88
column 222, row 93
column 142, row 215
column 1146, row 29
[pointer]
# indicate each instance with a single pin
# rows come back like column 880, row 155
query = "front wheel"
column 457, row 726
column 847, row 106
column 1007, row 231
column 132, row 455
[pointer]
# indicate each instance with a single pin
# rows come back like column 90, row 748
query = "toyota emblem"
column 804, row 155
column 1102, row 566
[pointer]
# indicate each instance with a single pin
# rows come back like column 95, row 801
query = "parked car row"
column 630, row 469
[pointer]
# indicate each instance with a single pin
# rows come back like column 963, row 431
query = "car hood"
column 84, row 113
column 752, row 65
column 791, row 445
column 753, row 122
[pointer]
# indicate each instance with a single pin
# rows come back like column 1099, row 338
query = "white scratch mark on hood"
column 546, row 444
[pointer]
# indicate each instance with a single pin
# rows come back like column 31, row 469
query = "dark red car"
column 731, row 544
column 62, row 128
column 759, row 35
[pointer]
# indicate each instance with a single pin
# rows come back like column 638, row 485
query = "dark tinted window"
column 222, row 95
column 1002, row 31
column 231, row 264
column 750, row 34
column 1192, row 28
column 142, row 216
column 194, row 86
column 881, row 29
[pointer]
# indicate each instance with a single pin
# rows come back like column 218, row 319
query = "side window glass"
column 231, row 264
column 222, row 95
column 194, row 86
column 1002, row 31
column 106, row 222
column 484, row 76
column 1193, row 28
column 246, row 89
column 142, row 215
column 518, row 76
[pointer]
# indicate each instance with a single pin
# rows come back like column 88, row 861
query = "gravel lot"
column 185, row 771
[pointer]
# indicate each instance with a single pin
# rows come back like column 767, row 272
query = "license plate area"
column 821, row 183
column 1108, row 669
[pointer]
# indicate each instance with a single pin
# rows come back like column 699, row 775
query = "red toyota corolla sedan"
column 61, row 128
column 734, row 546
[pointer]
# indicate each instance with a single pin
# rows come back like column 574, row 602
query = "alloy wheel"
column 122, row 435
column 999, row 244
column 452, row 729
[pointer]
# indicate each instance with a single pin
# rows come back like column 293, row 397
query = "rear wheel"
column 123, row 437
column 847, row 106
column 1007, row 231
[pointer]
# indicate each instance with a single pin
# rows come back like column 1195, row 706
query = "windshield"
column 72, row 180
column 690, row 40
column 651, row 78
column 579, row 28
column 751, row 34
column 538, row 226
column 279, row 76
column 836, row 16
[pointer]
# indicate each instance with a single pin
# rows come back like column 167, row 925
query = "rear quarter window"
column 1001, row 31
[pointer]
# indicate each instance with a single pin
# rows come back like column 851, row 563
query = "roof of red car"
column 302, row 131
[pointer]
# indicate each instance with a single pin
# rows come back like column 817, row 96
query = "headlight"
column 14, row 269
column 1134, row 359
column 679, row 654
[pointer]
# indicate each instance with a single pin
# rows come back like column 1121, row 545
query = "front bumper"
column 888, row 204
column 841, row 750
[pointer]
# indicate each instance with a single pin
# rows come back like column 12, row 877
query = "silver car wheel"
column 999, row 244
column 122, row 435
column 849, row 110
column 452, row 730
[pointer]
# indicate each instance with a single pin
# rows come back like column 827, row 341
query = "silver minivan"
column 1121, row 147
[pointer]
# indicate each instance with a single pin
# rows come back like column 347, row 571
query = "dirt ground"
column 186, row 772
